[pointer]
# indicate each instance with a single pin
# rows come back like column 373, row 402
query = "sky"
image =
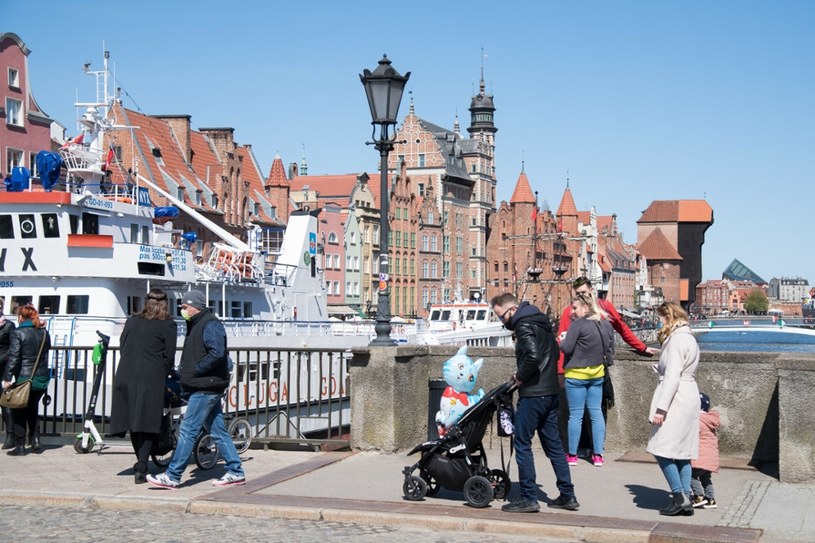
column 632, row 101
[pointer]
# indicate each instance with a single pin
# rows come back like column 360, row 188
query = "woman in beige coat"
column 674, row 413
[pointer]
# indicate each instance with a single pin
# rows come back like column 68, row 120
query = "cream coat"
column 677, row 395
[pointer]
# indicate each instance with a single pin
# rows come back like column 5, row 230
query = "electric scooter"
column 90, row 436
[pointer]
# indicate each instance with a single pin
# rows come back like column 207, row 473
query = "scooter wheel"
column 83, row 450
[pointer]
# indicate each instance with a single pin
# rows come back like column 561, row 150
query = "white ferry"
column 462, row 323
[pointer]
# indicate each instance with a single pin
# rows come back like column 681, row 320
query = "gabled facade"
column 670, row 234
column 25, row 129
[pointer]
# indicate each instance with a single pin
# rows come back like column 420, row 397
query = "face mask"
column 185, row 315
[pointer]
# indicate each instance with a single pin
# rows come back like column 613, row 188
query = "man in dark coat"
column 6, row 327
column 536, row 354
column 204, row 373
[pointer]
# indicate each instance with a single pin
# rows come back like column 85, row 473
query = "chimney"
column 223, row 141
column 180, row 125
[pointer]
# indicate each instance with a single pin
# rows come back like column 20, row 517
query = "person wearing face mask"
column 205, row 374
column 148, row 344
column 536, row 354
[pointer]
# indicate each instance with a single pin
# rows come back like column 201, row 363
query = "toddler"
column 708, row 461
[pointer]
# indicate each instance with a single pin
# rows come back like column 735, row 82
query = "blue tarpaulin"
column 49, row 166
column 165, row 212
column 20, row 178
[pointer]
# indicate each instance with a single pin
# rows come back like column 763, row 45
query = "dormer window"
column 257, row 209
column 180, row 193
column 157, row 154
column 214, row 201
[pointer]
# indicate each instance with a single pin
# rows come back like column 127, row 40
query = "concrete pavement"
column 619, row 502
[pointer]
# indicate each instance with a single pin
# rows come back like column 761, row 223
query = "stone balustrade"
column 765, row 400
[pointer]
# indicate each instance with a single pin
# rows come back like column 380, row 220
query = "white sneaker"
column 230, row 480
column 163, row 480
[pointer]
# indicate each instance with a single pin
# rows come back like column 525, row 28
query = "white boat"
column 462, row 323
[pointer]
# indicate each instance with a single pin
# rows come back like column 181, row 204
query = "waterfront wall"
column 764, row 400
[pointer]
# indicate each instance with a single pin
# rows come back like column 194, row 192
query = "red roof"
column 330, row 186
column 523, row 191
column 567, row 206
column 277, row 174
column 677, row 211
column 657, row 247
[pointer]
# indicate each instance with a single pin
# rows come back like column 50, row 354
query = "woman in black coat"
column 29, row 340
column 148, row 344
column 6, row 327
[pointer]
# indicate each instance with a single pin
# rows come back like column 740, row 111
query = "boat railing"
column 290, row 396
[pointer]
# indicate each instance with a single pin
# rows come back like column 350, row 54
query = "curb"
column 546, row 525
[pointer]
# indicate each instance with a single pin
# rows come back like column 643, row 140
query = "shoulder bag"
column 608, row 386
column 16, row 396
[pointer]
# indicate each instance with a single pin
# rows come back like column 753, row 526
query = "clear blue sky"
column 637, row 100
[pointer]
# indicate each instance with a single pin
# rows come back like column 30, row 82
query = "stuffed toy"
column 460, row 373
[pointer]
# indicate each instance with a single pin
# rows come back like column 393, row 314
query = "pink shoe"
column 571, row 459
column 597, row 460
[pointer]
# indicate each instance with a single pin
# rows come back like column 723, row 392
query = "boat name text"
column 28, row 263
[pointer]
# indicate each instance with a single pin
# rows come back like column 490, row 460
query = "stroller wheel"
column 432, row 484
column 414, row 488
column 501, row 483
column 478, row 491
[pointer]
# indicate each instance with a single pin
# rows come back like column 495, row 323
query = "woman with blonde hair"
column 28, row 348
column 148, row 344
column 674, row 412
column 588, row 347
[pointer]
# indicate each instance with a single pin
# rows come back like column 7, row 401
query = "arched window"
column 425, row 268
column 424, row 242
column 433, row 244
column 496, row 266
column 332, row 238
column 425, row 297
column 506, row 266
column 433, row 269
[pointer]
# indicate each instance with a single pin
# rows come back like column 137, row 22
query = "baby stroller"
column 458, row 461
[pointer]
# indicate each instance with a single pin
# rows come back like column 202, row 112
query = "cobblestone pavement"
column 76, row 525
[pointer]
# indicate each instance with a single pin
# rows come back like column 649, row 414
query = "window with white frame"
column 434, row 269
column 434, row 246
column 336, row 262
column 355, row 261
column 425, row 269
column 332, row 238
column 14, row 110
column 353, row 238
column 336, row 288
column 424, row 242
column 376, row 235
column 348, row 262
column 14, row 78
column 356, row 288
column 14, row 158
column 348, row 287
column 424, row 297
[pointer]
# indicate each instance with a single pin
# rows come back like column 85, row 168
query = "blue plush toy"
column 460, row 373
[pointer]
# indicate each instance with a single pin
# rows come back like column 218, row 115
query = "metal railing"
column 291, row 397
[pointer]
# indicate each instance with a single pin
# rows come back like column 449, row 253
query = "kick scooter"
column 90, row 436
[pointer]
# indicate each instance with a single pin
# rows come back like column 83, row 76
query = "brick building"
column 25, row 129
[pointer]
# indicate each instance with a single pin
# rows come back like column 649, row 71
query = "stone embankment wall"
column 764, row 400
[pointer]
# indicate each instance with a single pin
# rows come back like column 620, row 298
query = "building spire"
column 412, row 109
column 481, row 84
column 456, row 126
column 303, row 163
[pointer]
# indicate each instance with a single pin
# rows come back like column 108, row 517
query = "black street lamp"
column 383, row 87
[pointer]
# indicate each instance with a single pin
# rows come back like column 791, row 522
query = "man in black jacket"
column 536, row 354
column 205, row 373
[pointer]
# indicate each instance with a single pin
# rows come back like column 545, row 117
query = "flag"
column 108, row 160
column 75, row 141
column 534, row 214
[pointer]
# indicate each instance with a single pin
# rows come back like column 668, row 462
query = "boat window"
column 150, row 268
column 445, row 315
column 247, row 310
column 77, row 304
column 90, row 223
column 74, row 220
column 434, row 315
column 27, row 227
column 470, row 314
column 145, row 235
column 134, row 233
column 134, row 305
column 19, row 301
column 50, row 226
column 6, row 227
column 235, row 310
column 49, row 305
column 482, row 315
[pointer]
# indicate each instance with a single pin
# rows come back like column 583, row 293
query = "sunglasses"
column 504, row 314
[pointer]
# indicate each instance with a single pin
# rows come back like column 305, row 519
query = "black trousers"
column 142, row 445
column 27, row 418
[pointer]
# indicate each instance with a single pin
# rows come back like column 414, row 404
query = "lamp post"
column 383, row 88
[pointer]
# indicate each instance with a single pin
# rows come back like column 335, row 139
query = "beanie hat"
column 705, row 401
column 195, row 298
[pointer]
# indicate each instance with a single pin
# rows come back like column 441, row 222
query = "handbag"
column 608, row 385
column 16, row 396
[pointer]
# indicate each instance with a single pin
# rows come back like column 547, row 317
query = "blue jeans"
column 539, row 414
column 203, row 411
column 677, row 473
column 582, row 394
